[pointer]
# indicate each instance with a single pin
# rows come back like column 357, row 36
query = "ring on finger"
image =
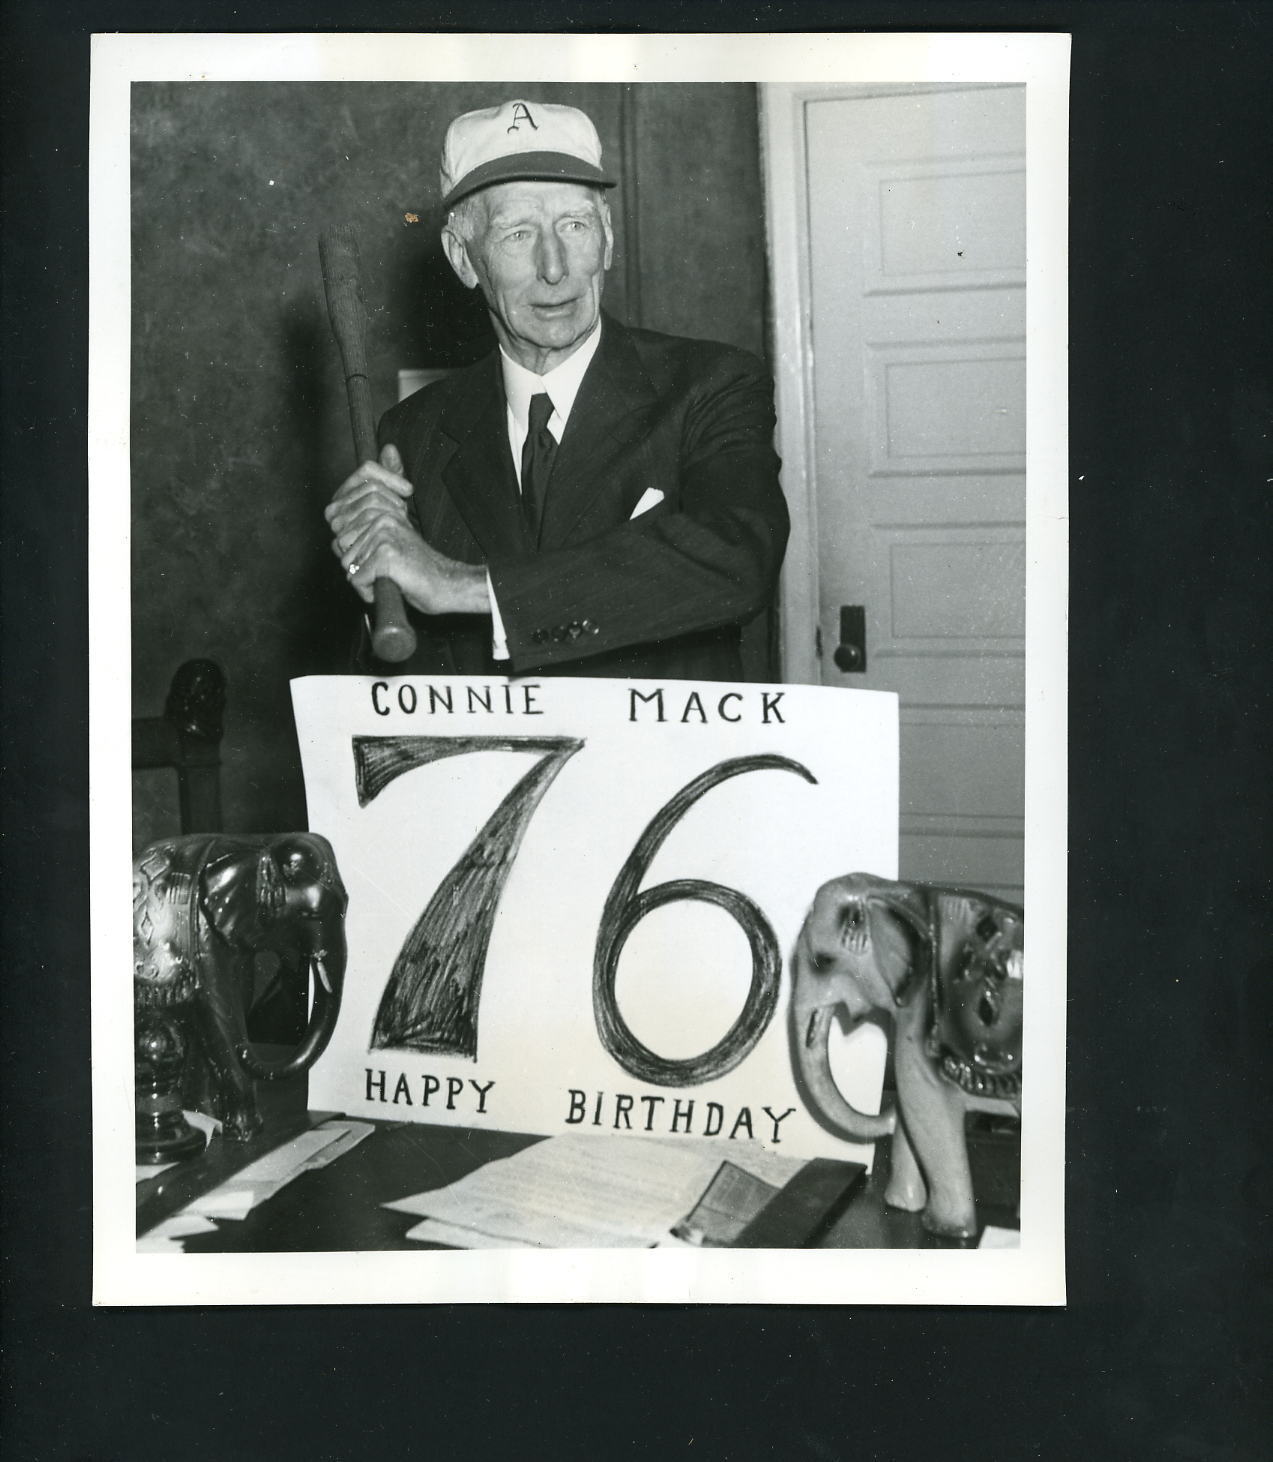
column 352, row 569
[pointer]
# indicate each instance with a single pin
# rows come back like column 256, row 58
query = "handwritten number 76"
column 431, row 999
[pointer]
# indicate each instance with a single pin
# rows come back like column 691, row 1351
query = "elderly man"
column 589, row 499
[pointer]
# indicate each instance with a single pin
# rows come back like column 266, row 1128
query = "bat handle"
column 392, row 638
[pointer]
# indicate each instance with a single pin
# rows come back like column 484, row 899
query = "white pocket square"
column 650, row 498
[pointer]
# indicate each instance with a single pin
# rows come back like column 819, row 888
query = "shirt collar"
column 562, row 382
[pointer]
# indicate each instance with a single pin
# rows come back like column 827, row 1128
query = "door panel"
column 917, row 319
column 957, row 761
column 944, row 408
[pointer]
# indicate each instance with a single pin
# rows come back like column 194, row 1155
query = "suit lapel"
column 479, row 474
column 612, row 409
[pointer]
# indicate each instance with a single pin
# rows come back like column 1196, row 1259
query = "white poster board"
column 572, row 902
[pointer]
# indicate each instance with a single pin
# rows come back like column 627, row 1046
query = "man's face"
column 540, row 252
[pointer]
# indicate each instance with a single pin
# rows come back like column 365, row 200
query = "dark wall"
column 239, row 427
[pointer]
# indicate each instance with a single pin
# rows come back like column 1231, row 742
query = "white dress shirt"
column 562, row 386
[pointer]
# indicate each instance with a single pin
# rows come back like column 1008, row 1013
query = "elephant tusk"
column 813, row 1070
column 819, row 1026
column 321, row 975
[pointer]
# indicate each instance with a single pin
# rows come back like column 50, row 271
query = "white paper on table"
column 525, row 1231
column 454, row 1236
column 166, row 1237
column 349, row 1135
column 465, row 1233
column 239, row 1195
column 576, row 1191
column 230, row 1201
column 999, row 1238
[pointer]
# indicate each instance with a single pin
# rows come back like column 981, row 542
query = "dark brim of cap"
column 547, row 167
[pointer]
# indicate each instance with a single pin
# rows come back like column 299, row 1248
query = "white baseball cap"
column 520, row 139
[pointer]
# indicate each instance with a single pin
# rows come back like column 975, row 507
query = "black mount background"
column 1162, row 1352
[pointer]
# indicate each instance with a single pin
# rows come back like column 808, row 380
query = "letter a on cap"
column 521, row 113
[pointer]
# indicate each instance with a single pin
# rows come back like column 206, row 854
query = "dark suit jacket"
column 602, row 593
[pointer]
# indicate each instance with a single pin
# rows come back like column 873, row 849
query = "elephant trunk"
column 813, row 1007
column 329, row 973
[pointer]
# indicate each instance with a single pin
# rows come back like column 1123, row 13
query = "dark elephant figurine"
column 204, row 907
column 946, row 964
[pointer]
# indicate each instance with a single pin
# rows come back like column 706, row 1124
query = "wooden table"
column 338, row 1207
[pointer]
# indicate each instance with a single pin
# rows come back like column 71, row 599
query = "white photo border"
column 1032, row 1274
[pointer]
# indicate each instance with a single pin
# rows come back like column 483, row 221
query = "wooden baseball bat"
column 392, row 637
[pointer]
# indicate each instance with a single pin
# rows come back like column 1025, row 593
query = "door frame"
column 784, row 173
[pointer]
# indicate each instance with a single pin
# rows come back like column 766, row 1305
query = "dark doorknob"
column 850, row 653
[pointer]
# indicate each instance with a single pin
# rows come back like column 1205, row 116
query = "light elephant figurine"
column 203, row 908
column 946, row 964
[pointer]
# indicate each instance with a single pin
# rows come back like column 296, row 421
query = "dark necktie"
column 538, row 452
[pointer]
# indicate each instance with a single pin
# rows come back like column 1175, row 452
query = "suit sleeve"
column 706, row 557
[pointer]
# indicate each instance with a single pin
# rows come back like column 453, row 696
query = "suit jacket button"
column 574, row 629
column 588, row 627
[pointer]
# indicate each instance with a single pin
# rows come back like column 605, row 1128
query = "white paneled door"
column 912, row 286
